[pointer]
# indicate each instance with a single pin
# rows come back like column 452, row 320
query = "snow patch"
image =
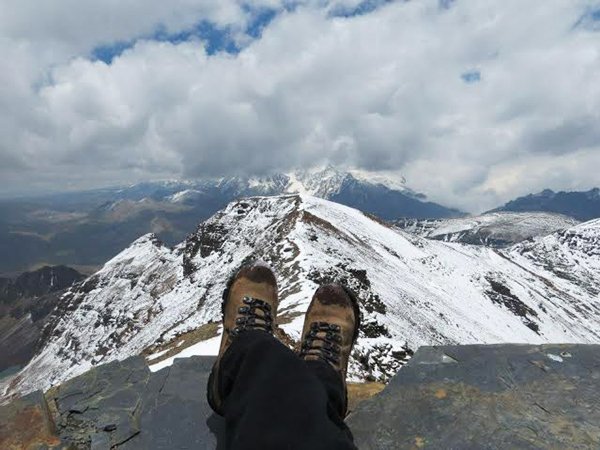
column 208, row 347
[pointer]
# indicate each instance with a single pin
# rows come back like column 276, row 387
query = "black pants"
column 274, row 400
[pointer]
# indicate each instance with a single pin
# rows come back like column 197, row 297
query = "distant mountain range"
column 497, row 229
column 579, row 205
column 85, row 229
column 88, row 228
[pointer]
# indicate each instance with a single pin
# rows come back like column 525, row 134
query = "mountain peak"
column 413, row 291
column 322, row 183
column 547, row 193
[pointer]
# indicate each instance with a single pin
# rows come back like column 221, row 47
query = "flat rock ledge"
column 453, row 397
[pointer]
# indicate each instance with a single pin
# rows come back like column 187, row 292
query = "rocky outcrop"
column 120, row 405
column 28, row 424
column 487, row 397
column 467, row 397
column 124, row 405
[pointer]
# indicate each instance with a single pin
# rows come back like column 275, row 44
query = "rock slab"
column 122, row 405
column 487, row 397
column 455, row 397
column 27, row 424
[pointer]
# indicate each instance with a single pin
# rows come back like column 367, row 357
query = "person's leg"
column 274, row 400
column 270, row 397
column 335, row 389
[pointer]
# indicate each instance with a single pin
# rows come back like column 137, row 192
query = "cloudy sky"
column 473, row 101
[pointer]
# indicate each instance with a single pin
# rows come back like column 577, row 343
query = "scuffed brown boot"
column 331, row 327
column 249, row 303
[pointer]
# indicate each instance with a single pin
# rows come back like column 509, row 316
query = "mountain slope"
column 572, row 256
column 579, row 205
column 500, row 229
column 387, row 203
column 412, row 290
column 25, row 303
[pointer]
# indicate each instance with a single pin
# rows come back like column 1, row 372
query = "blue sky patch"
column 217, row 39
column 220, row 39
column 107, row 53
column 364, row 7
column 446, row 4
column 261, row 18
column 589, row 20
column 472, row 76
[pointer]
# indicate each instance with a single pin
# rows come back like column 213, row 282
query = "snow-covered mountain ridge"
column 387, row 196
column 413, row 291
column 321, row 182
column 497, row 229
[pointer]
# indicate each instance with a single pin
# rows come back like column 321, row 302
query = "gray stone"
column 487, row 397
column 27, row 423
column 177, row 415
column 455, row 397
column 100, row 441
column 103, row 403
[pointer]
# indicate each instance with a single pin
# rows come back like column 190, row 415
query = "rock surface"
column 123, row 405
column 27, row 424
column 487, row 397
column 467, row 397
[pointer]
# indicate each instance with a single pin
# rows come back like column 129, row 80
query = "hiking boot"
column 331, row 327
column 249, row 303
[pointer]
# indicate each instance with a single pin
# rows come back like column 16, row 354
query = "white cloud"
column 79, row 25
column 381, row 91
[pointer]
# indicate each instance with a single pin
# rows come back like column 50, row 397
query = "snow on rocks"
column 497, row 229
column 413, row 291
column 208, row 347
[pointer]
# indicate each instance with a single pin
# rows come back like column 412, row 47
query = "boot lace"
column 248, row 319
column 323, row 341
